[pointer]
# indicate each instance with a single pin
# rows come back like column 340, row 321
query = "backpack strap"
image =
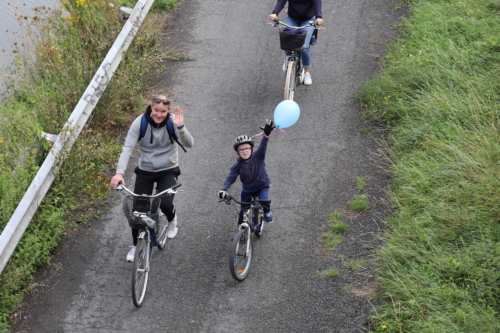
column 169, row 127
column 144, row 127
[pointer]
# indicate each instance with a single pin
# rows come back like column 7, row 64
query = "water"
column 11, row 30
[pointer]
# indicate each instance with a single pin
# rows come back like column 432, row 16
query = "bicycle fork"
column 245, row 226
column 144, row 235
column 297, row 61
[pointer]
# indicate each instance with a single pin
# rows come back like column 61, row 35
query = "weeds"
column 333, row 236
column 332, row 272
column 359, row 203
column 360, row 183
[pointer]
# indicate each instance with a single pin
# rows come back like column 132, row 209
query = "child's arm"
column 268, row 128
column 231, row 177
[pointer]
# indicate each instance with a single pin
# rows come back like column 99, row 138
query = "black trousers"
column 144, row 184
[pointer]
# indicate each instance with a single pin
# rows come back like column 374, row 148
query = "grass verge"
column 439, row 94
column 68, row 46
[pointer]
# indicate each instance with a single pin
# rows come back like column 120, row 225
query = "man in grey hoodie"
column 158, row 159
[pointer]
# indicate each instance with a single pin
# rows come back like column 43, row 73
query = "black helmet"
column 241, row 140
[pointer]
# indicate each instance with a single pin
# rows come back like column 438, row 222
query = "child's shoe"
column 269, row 217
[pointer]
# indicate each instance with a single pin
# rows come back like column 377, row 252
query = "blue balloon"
column 286, row 114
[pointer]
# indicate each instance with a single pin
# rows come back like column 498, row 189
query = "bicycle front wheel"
column 240, row 255
column 291, row 79
column 161, row 231
column 140, row 273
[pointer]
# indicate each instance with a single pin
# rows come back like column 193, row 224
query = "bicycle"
column 293, row 44
column 143, row 212
column 241, row 248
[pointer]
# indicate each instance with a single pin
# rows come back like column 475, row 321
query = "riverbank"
column 69, row 44
column 439, row 95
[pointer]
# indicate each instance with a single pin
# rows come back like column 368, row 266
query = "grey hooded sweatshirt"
column 156, row 150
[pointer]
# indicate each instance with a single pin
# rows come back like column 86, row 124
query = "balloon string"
column 253, row 136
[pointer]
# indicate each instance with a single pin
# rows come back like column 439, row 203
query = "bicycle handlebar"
column 311, row 24
column 229, row 198
column 168, row 191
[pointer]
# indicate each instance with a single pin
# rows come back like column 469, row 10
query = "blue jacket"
column 300, row 10
column 253, row 174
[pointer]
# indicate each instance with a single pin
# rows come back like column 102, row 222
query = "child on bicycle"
column 251, row 168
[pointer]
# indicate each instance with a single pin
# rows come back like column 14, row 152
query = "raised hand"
column 268, row 127
column 178, row 120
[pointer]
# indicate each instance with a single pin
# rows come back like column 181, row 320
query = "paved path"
column 232, row 85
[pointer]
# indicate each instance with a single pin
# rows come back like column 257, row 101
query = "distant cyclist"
column 251, row 168
column 300, row 12
column 158, row 157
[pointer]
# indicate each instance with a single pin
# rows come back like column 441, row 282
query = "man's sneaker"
column 313, row 40
column 307, row 79
column 269, row 217
column 285, row 64
column 172, row 228
column 131, row 254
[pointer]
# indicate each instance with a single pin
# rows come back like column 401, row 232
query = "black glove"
column 268, row 128
column 223, row 195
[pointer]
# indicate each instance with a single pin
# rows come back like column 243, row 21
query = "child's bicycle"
column 292, row 41
column 143, row 212
column 241, row 249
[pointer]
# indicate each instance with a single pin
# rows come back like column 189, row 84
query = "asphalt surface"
column 231, row 84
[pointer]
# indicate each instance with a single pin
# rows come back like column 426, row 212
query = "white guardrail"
column 21, row 218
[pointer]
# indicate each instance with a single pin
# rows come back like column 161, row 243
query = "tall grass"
column 68, row 45
column 439, row 93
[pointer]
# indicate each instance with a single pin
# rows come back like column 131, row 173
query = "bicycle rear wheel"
column 161, row 231
column 240, row 254
column 291, row 79
column 140, row 273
